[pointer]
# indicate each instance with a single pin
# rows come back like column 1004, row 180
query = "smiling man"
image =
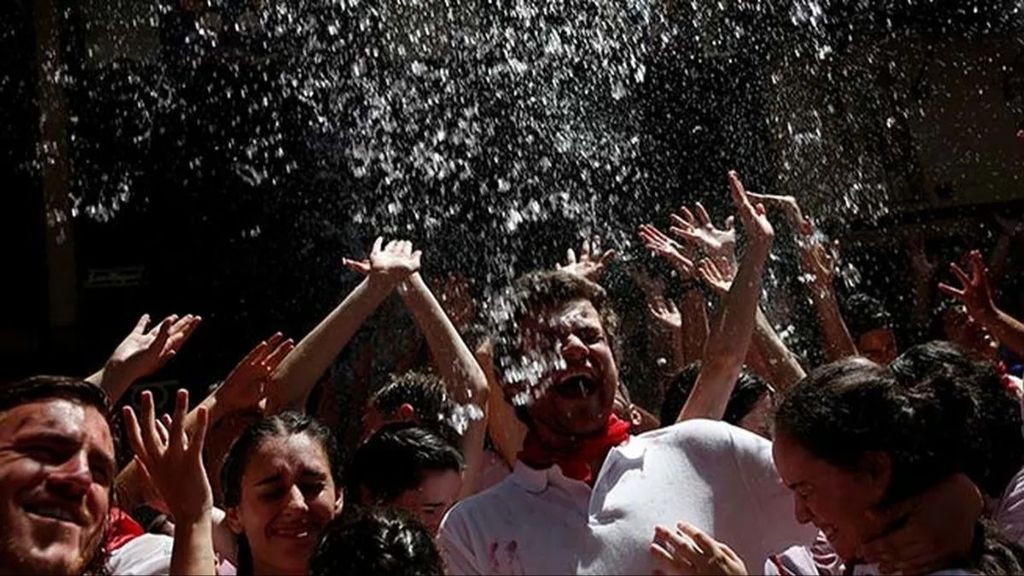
column 56, row 472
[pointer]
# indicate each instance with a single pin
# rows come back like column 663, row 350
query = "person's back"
column 377, row 541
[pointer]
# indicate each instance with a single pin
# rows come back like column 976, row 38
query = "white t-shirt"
column 146, row 555
column 1008, row 513
column 716, row 476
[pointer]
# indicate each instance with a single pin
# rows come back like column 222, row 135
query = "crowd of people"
column 523, row 453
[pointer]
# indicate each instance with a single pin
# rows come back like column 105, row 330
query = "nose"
column 73, row 478
column 295, row 501
column 573, row 348
column 801, row 511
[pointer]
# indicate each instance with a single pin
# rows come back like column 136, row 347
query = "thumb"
column 730, row 222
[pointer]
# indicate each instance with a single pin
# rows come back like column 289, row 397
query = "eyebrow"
column 304, row 474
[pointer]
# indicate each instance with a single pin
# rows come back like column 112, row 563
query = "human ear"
column 233, row 519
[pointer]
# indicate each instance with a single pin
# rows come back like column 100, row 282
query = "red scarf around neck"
column 576, row 463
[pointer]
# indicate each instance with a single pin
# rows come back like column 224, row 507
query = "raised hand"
column 758, row 229
column 786, row 205
column 687, row 550
column 592, row 262
column 244, row 388
column 172, row 461
column 717, row 276
column 662, row 310
column 393, row 262
column 974, row 292
column 819, row 259
column 924, row 268
column 143, row 351
column 679, row 256
column 699, row 231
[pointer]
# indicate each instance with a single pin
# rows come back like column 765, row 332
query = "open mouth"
column 575, row 387
column 295, row 531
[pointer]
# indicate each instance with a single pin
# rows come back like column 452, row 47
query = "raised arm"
column 296, row 377
column 592, row 261
column 818, row 263
column 693, row 308
column 142, row 352
column 460, row 371
column 727, row 346
column 171, row 460
column 779, row 365
column 976, row 294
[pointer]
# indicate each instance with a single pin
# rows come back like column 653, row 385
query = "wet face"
column 429, row 501
column 878, row 345
column 577, row 390
column 56, row 471
column 835, row 500
column 287, row 498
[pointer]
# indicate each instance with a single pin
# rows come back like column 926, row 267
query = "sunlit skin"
column 288, row 496
column 575, row 400
column 837, row 501
column 56, row 471
column 429, row 501
column 878, row 345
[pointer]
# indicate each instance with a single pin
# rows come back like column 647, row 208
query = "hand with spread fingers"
column 689, row 551
column 143, row 352
column 680, row 257
column 662, row 309
column 592, row 261
column 717, row 275
column 785, row 205
column 699, row 231
column 245, row 387
column 392, row 263
column 974, row 292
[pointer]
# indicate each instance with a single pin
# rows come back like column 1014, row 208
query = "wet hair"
column 78, row 391
column 39, row 388
column 988, row 418
column 845, row 409
column 426, row 393
column 281, row 425
column 396, row 458
column 749, row 389
column 545, row 290
column 380, row 541
column 864, row 313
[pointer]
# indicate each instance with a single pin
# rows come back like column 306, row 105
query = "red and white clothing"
column 716, row 476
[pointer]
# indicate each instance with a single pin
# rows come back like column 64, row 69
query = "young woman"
column 282, row 486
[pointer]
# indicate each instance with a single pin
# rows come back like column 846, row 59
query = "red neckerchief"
column 123, row 528
column 575, row 464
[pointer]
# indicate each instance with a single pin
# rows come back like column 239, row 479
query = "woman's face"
column 287, row 497
column 429, row 501
column 837, row 501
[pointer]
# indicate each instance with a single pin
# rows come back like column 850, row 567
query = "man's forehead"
column 574, row 312
column 56, row 415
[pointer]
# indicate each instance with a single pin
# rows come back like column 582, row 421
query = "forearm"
column 1007, row 330
column 193, row 547
column 112, row 381
column 727, row 346
column 503, row 426
column 838, row 342
column 299, row 372
column 782, row 364
column 695, row 324
column 452, row 358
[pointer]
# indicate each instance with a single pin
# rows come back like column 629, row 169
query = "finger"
column 163, row 426
column 570, row 256
column 162, row 333
column 274, row 360
column 150, row 436
column 198, row 437
column 360, row 266
column 739, row 193
column 730, row 222
column 680, row 222
column 140, row 326
column 178, row 421
column 417, row 256
column 687, row 216
column 684, row 234
column 960, row 274
column 676, row 565
column 131, row 425
column 977, row 263
column 703, row 541
column 950, row 291
column 377, row 244
column 608, row 256
column 274, row 341
column 702, row 215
